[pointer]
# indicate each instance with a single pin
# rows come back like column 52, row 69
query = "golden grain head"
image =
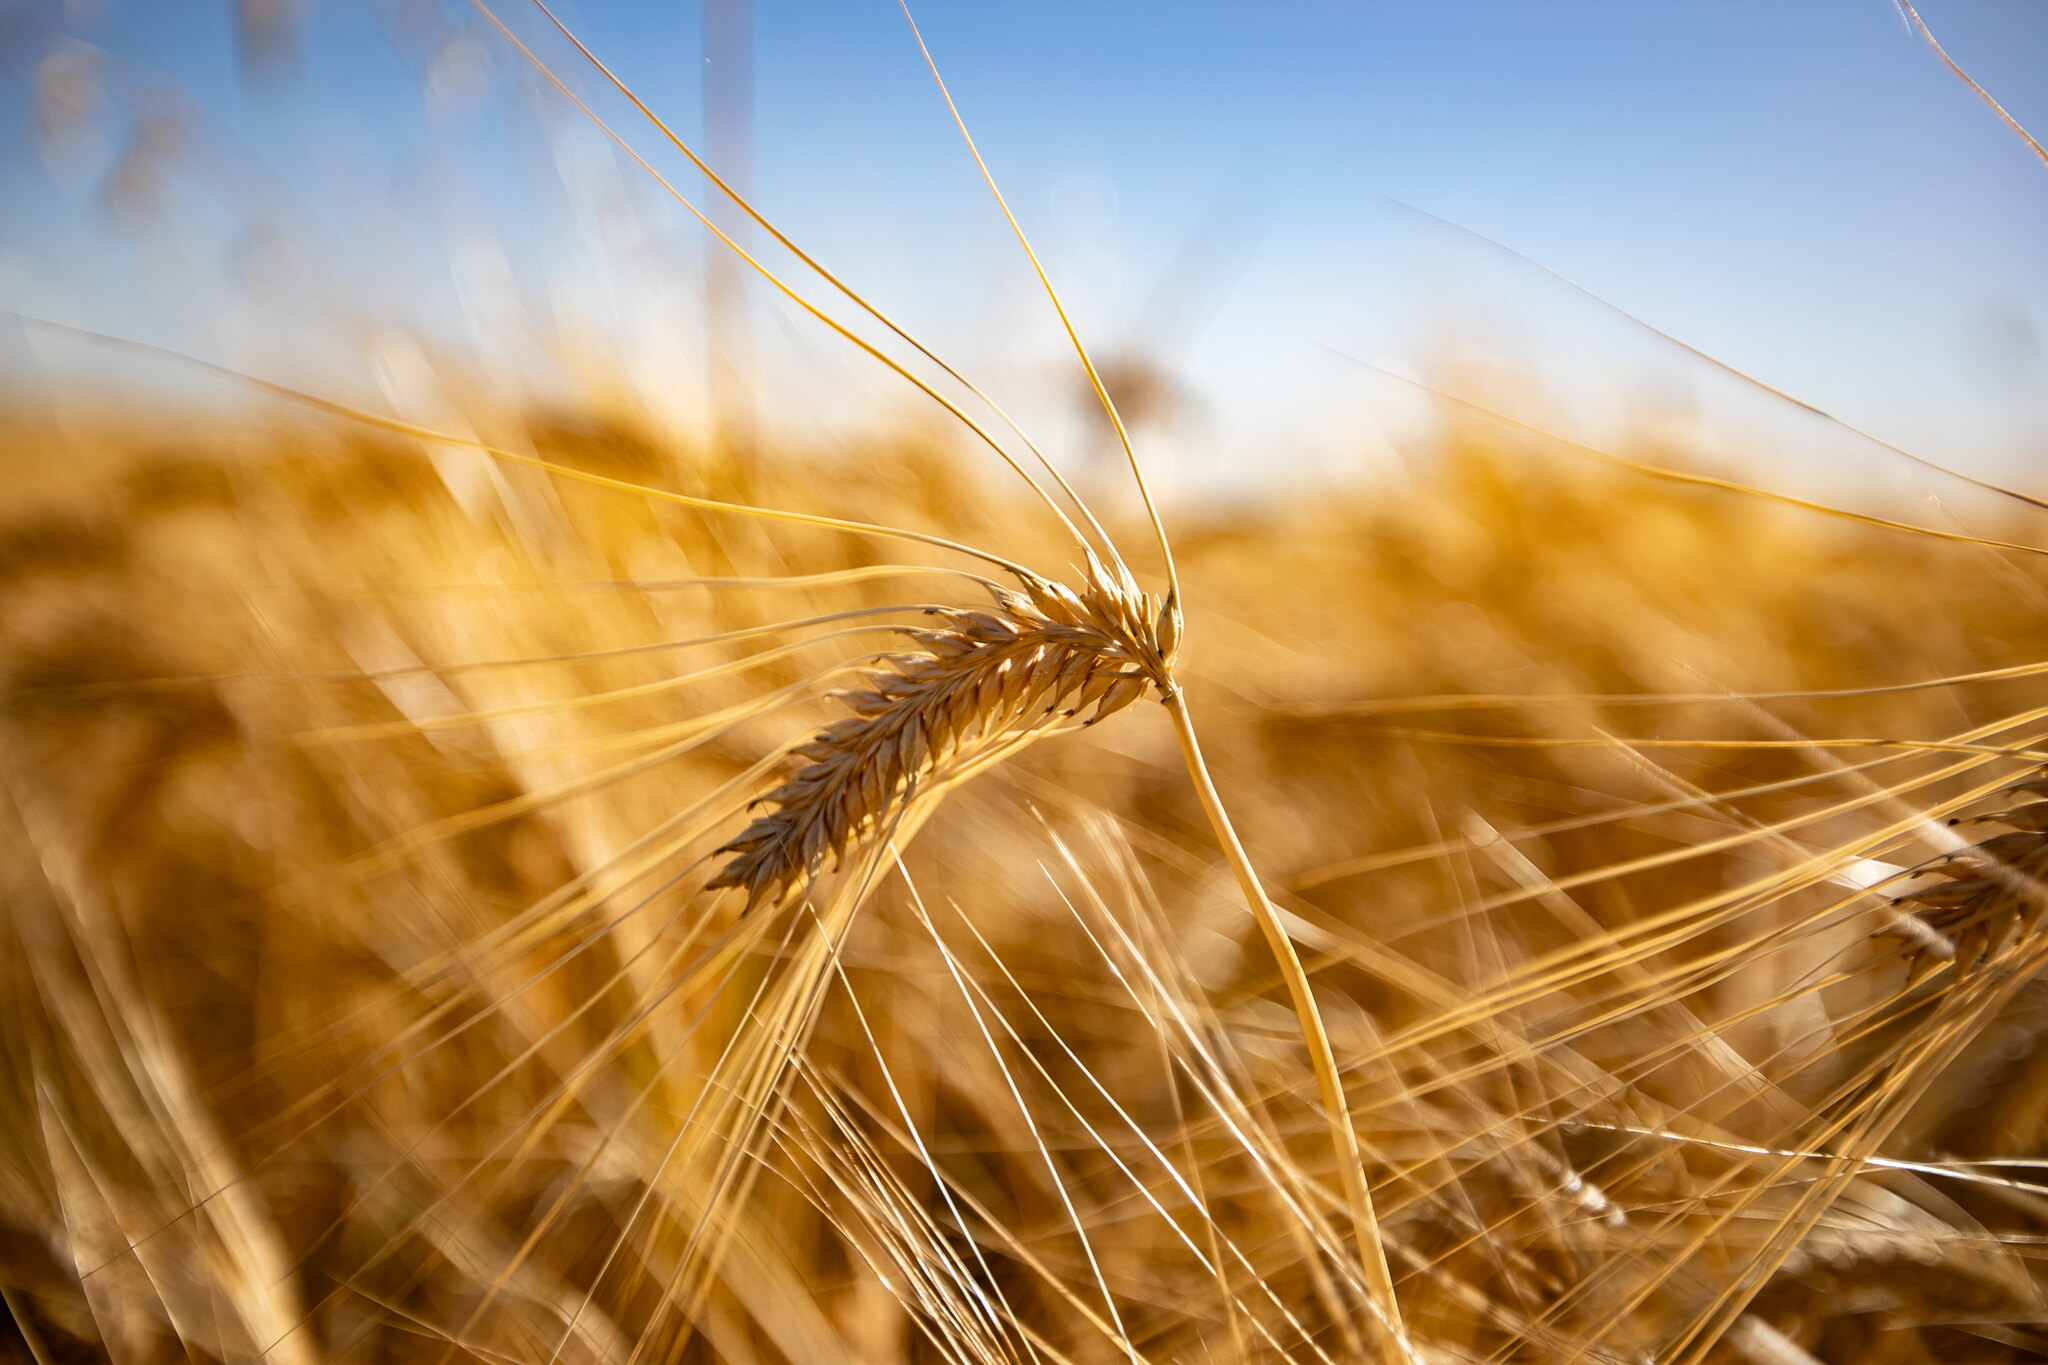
column 987, row 678
column 1994, row 892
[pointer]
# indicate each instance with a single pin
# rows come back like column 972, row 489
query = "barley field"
column 549, row 886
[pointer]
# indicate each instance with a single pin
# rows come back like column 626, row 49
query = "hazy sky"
column 1799, row 188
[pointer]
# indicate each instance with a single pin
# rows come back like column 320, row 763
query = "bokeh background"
column 385, row 659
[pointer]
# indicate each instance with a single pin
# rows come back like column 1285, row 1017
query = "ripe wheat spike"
column 985, row 676
column 1993, row 892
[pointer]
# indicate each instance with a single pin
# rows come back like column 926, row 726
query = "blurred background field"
column 363, row 1000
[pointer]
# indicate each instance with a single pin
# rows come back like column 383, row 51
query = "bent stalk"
column 1372, row 1255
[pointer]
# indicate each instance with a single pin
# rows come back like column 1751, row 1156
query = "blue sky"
column 1800, row 189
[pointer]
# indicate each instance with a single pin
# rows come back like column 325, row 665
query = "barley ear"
column 984, row 678
column 1994, row 895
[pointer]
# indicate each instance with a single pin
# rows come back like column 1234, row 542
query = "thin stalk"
column 1365, row 1227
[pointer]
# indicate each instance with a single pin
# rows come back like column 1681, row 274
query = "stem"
column 1372, row 1255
